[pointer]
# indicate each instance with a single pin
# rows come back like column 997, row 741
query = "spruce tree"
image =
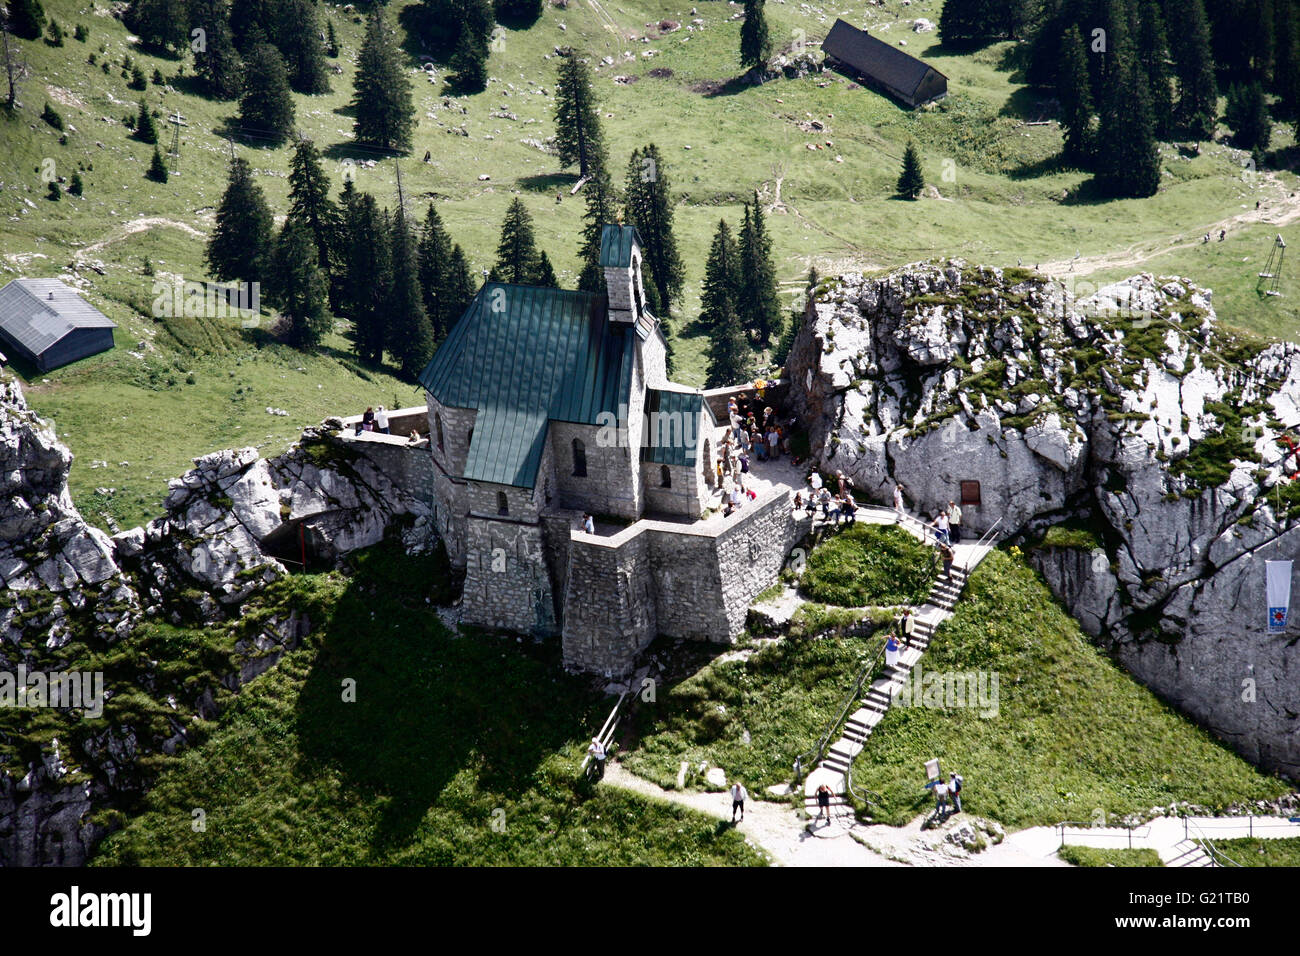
column 241, row 238
column 385, row 112
column 755, row 43
column 731, row 362
column 157, row 170
column 1128, row 162
column 1073, row 88
column 368, row 270
column 544, row 273
column 469, row 63
column 54, row 36
column 911, row 180
column 26, row 18
column 266, row 107
column 722, row 280
column 1198, row 93
column 578, row 136
column 217, row 63
column 297, row 286
column 760, row 301
column 297, row 34
column 1247, row 116
column 648, row 206
column 1153, row 51
column 158, row 23
column 252, row 22
column 601, row 211
column 434, row 264
column 410, row 336
column 517, row 250
column 310, row 206
column 145, row 130
column 76, row 186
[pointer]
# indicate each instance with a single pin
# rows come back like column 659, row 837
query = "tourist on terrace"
column 774, row 443
column 588, row 524
column 941, row 528
column 824, row 498
column 954, row 522
column 815, row 481
column 368, row 420
column 381, row 420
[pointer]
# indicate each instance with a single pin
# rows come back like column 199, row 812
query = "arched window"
column 503, row 504
column 438, row 421
column 579, row 459
column 665, row 477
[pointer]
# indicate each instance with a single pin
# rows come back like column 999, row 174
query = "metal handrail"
column 1089, row 826
column 606, row 734
column 1217, row 856
column 816, row 753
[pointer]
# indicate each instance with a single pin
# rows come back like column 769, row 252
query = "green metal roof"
column 524, row 356
column 616, row 246
column 671, row 437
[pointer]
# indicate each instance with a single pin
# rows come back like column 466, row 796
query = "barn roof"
column 524, row 356
column 877, row 60
column 37, row 313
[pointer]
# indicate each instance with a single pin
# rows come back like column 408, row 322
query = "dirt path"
column 137, row 226
column 1280, row 209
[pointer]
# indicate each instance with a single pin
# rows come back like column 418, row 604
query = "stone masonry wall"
column 506, row 584
column 609, row 612
column 605, row 489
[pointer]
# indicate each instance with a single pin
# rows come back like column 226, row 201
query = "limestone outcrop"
column 1153, row 438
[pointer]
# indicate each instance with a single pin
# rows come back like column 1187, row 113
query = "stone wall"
column 452, row 452
column 609, row 611
column 606, row 488
column 687, row 494
column 506, row 582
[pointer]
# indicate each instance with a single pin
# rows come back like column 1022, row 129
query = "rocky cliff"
column 76, row 602
column 1126, row 436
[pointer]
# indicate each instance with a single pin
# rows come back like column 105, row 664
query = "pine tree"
column 755, row 43
column 310, row 206
column 760, row 300
column 1247, row 116
column 76, row 186
column 241, row 238
column 912, row 180
column 578, row 136
column 54, row 36
column 297, row 34
column 722, row 280
column 1198, row 93
column 1128, row 159
column 145, row 130
column 218, row 64
column 331, row 40
column 1074, row 91
column 469, row 63
column 601, row 211
column 368, row 270
column 157, row 170
column 252, row 22
column 159, row 23
column 26, row 18
column 137, row 82
column 731, row 362
column 648, row 206
column 1286, row 58
column 409, row 333
column 385, row 112
column 1153, row 51
column 435, row 267
column 544, row 273
column 296, row 286
column 267, row 104
column 517, row 250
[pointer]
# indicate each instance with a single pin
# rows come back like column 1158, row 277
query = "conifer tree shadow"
column 429, row 706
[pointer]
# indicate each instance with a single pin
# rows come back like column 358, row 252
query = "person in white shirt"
column 381, row 420
column 597, row 751
column 954, row 522
column 815, row 480
column 588, row 525
column 738, row 796
column 940, row 796
column 898, row 499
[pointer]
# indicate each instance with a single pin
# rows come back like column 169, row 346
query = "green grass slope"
column 1072, row 734
column 454, row 751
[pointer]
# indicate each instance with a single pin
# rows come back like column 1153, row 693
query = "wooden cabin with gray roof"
column 48, row 324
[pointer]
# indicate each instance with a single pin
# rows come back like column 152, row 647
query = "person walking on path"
column 954, row 785
column 940, row 797
column 941, row 528
column 848, row 509
column 907, row 626
column 738, row 796
column 815, row 481
column 954, row 522
column 844, row 483
column 891, row 651
column 381, row 420
column 597, row 751
column 898, row 500
column 824, row 802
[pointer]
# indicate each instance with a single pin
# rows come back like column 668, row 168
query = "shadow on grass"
column 1030, row 105
column 547, row 182
column 429, row 705
column 1047, row 166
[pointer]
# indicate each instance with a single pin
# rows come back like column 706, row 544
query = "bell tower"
column 620, row 258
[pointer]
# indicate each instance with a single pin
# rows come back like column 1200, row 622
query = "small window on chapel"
column 579, row 459
column 503, row 504
column 438, row 421
column 665, row 477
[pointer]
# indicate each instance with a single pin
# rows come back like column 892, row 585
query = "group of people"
column 374, row 420
column 945, row 791
column 750, row 436
column 840, row 506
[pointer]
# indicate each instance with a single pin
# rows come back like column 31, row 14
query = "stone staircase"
column 938, row 607
column 1188, row 853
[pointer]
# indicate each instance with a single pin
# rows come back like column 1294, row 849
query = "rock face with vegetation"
column 1126, row 436
column 78, row 602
